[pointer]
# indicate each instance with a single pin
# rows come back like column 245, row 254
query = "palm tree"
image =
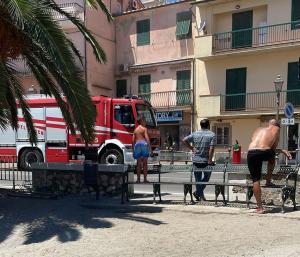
column 28, row 30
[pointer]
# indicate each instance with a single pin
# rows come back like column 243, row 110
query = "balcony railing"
column 259, row 101
column 22, row 68
column 73, row 9
column 257, row 37
column 169, row 98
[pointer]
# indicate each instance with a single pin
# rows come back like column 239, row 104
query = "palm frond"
column 95, row 3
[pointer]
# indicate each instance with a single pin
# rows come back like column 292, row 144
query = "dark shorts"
column 255, row 158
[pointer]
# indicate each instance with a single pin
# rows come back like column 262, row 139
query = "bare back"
column 140, row 134
column 265, row 138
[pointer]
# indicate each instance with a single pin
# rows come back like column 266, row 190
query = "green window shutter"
column 143, row 32
column 242, row 24
column 183, row 25
column 236, row 89
column 145, row 87
column 183, row 96
column 121, row 87
column 293, row 83
column 295, row 14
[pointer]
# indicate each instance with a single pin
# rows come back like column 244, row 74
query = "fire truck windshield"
column 148, row 112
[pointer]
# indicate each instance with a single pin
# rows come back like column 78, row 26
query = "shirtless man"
column 141, row 148
column 262, row 148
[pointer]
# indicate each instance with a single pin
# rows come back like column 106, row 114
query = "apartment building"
column 99, row 77
column 155, row 51
column 242, row 46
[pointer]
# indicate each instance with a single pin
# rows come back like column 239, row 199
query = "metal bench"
column 287, row 172
column 288, row 188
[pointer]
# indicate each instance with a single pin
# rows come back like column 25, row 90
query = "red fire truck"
column 116, row 119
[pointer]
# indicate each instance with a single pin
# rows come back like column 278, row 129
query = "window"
column 222, row 132
column 143, row 32
column 121, row 87
column 145, row 87
column 295, row 14
column 236, row 89
column 293, row 84
column 183, row 94
column 147, row 112
column 242, row 23
column 183, row 25
column 123, row 114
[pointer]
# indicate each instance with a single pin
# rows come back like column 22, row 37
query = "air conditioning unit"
column 123, row 67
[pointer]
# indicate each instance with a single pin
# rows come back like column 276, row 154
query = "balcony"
column 259, row 101
column 246, row 40
column 22, row 68
column 249, row 103
column 257, row 37
column 73, row 9
column 179, row 99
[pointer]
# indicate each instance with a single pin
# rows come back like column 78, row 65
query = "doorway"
column 169, row 136
column 242, row 23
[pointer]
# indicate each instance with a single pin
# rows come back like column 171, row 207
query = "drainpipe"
column 193, row 96
column 85, row 50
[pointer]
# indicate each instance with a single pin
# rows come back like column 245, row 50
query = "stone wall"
column 69, row 179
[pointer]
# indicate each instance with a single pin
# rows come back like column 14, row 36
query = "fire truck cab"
column 114, row 125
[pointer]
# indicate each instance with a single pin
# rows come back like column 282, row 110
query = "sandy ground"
column 84, row 227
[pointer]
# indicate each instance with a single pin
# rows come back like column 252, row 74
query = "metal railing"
column 259, row 101
column 257, row 37
column 73, row 9
column 11, row 176
column 169, row 98
column 20, row 66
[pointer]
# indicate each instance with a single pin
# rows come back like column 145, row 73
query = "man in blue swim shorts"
column 141, row 148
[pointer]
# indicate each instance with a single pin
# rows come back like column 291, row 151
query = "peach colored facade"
column 274, row 49
column 99, row 77
column 161, row 59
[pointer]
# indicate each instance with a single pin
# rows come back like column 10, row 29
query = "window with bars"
column 223, row 134
column 183, row 25
column 143, row 32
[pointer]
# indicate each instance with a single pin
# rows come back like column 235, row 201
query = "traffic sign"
column 287, row 121
column 289, row 110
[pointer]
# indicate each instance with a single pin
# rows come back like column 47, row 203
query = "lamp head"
column 278, row 83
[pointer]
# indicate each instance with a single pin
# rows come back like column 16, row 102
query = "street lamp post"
column 278, row 87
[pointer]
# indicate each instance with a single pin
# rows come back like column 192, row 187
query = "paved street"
column 81, row 226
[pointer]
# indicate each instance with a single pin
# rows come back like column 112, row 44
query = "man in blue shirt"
column 202, row 143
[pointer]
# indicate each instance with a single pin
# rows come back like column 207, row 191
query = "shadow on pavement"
column 43, row 219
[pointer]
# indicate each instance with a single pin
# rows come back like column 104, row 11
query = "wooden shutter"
column 143, row 32
column 145, row 87
column 183, row 83
column 183, row 25
column 236, row 89
column 242, row 21
column 295, row 14
column 293, row 83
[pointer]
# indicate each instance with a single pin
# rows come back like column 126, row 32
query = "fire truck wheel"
column 112, row 156
column 30, row 156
